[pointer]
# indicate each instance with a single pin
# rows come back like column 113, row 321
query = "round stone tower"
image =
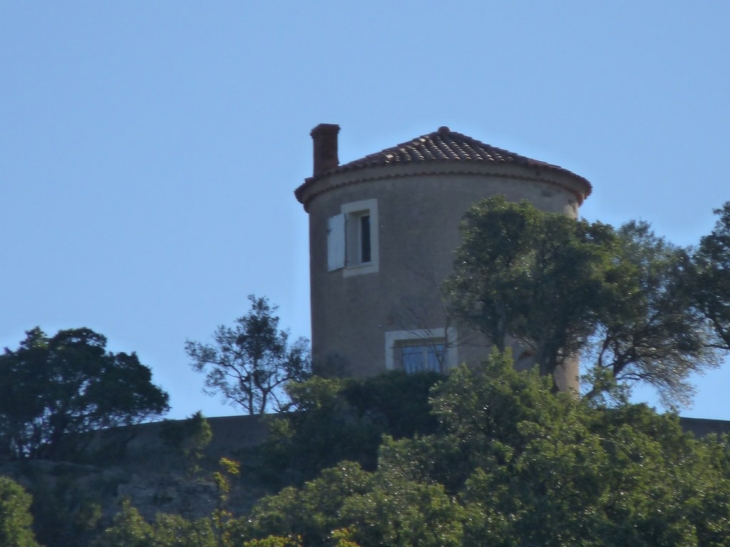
column 382, row 232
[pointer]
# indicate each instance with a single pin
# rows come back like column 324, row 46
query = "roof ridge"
column 423, row 141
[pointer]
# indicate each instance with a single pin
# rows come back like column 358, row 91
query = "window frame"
column 428, row 356
column 353, row 213
column 396, row 339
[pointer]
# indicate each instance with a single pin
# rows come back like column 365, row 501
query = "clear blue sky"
column 149, row 150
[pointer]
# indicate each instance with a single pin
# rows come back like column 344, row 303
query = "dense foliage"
column 511, row 464
column 343, row 419
column 187, row 439
column 712, row 283
column 650, row 329
column 484, row 456
column 55, row 389
column 530, row 275
column 15, row 517
column 250, row 363
column 625, row 300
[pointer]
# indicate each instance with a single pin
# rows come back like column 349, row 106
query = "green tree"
column 343, row 419
column 66, row 509
column 515, row 464
column 276, row 541
column 622, row 299
column 54, row 389
column 712, row 275
column 555, row 471
column 128, row 529
column 15, row 517
column 651, row 330
column 511, row 463
column 311, row 512
column 188, row 439
column 535, row 276
column 175, row 531
column 250, row 363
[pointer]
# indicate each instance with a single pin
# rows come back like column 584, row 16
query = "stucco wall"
column 419, row 215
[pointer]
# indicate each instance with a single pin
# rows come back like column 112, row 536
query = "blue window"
column 422, row 356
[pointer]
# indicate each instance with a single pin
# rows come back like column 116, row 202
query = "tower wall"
column 360, row 311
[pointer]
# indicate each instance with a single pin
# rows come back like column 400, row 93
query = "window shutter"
column 336, row 242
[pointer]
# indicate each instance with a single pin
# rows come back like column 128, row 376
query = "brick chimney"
column 325, row 147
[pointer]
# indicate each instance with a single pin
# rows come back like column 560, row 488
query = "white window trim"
column 448, row 336
column 352, row 211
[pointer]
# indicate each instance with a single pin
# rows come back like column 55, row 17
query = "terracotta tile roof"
column 443, row 145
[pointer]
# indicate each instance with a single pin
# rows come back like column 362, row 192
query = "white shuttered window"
column 352, row 239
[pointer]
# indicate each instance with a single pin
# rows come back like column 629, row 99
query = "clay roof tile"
column 442, row 145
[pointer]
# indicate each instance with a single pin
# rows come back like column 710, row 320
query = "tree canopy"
column 650, row 329
column 515, row 464
column 54, row 388
column 15, row 517
column 511, row 463
column 250, row 363
column 508, row 463
column 624, row 300
column 342, row 419
column 531, row 275
column 712, row 281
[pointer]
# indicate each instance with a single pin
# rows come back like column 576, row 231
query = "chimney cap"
column 325, row 128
